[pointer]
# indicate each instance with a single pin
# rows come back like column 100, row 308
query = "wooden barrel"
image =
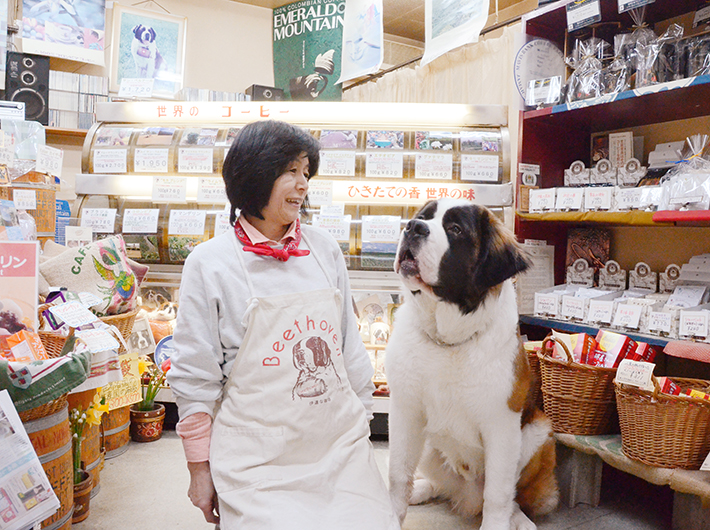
column 51, row 438
column 116, row 426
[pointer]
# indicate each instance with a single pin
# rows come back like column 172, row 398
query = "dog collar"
column 441, row 343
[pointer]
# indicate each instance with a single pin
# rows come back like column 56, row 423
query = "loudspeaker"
column 265, row 93
column 27, row 81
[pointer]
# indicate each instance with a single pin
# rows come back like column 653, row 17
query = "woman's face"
column 288, row 193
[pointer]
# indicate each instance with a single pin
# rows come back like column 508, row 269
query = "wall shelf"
column 632, row 218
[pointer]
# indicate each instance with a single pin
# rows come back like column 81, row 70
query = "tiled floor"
column 145, row 488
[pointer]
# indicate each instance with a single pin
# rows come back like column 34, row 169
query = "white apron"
column 290, row 442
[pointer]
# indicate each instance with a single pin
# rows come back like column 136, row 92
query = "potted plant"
column 78, row 420
column 147, row 416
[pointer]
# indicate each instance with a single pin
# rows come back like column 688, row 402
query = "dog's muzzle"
column 414, row 234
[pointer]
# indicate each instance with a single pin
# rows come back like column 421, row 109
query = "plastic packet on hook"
column 697, row 52
column 586, row 59
column 687, row 185
column 615, row 76
column 647, row 55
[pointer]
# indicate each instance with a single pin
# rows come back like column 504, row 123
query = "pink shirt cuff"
column 195, row 431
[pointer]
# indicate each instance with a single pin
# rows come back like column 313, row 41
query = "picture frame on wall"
column 147, row 44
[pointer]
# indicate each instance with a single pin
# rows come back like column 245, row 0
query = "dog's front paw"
column 520, row 521
column 400, row 505
column 422, row 491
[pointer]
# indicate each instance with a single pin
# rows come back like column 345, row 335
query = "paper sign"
column 629, row 198
column 136, row 87
column 627, row 5
column 140, row 221
column 627, row 316
column 334, row 210
column 337, row 226
column 529, row 168
column 150, row 160
column 581, row 13
column 660, row 321
column 694, row 323
column 110, row 160
column 49, row 160
column 569, row 198
column 88, row 299
column 195, row 160
column 483, row 168
column 24, row 199
column 572, row 307
column 73, row 314
column 380, row 228
column 78, row 236
column 211, row 190
column 600, row 311
column 597, row 198
column 169, row 189
column 101, row 220
column 546, row 304
column 635, row 373
column 187, row 222
column 384, row 165
column 320, row 192
column 336, row 164
column 221, row 224
column 434, row 165
column 542, row 200
column 98, row 340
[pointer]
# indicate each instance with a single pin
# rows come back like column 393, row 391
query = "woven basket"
column 663, row 430
column 46, row 409
column 536, row 383
column 579, row 399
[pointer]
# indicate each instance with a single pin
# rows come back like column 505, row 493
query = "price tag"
column 546, row 304
column 88, row 299
column 581, row 13
column 24, row 199
column 73, row 314
column 100, row 220
column 110, row 160
column 7, row 151
column 384, row 165
column 597, row 198
column 169, row 189
column 380, row 228
column 660, row 321
column 484, row 168
column 600, row 311
column 336, row 164
column 334, row 210
column 701, row 16
column 320, row 192
column 569, row 198
column 435, row 165
column 98, row 340
column 78, row 236
column 572, row 307
column 49, row 160
column 140, row 221
column 211, row 190
column 221, row 224
column 529, row 168
column 635, row 373
column 542, row 200
column 187, row 222
column 195, row 160
column 136, row 87
column 337, row 226
column 150, row 161
column 694, row 323
column 628, row 198
column 627, row 5
column 627, row 316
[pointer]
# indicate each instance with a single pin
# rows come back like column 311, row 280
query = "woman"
column 272, row 381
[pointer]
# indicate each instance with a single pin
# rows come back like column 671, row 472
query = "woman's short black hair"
column 260, row 154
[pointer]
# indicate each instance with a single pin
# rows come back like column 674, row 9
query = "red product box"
column 611, row 349
column 644, row 352
column 668, row 386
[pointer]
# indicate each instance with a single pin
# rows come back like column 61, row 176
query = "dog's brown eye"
column 454, row 229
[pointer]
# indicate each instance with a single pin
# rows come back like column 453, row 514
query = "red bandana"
column 281, row 254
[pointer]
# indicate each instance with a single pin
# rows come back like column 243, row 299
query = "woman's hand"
column 201, row 491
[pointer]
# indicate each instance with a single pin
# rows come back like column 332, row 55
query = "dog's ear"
column 136, row 30
column 152, row 34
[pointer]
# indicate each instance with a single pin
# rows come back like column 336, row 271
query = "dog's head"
column 145, row 34
column 458, row 252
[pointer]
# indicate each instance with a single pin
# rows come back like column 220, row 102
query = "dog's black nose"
column 417, row 228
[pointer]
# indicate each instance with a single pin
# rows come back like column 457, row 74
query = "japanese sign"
column 18, row 283
column 211, row 190
column 101, row 220
column 187, row 222
column 169, row 189
column 195, row 160
column 150, row 160
column 140, row 221
column 49, row 160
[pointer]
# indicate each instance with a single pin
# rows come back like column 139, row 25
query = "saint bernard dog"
column 461, row 415
column 145, row 52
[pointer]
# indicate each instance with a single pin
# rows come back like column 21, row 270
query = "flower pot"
column 82, row 497
column 147, row 426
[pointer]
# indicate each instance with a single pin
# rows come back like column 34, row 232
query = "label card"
column 380, row 228
column 598, row 198
column 336, row 164
column 542, row 199
column 24, row 199
column 150, row 160
column 334, row 210
column 627, row 316
column 635, row 373
column 7, row 151
column 627, row 5
column 484, row 168
column 49, row 160
column 569, row 198
column 581, row 13
column 384, row 164
column 110, row 160
column 529, row 168
column 694, row 324
column 187, row 222
column 140, row 221
column 169, row 189
column 600, row 311
column 337, row 226
column 320, row 192
column 98, row 340
column 628, row 198
column 73, row 314
column 211, row 190
column 136, row 87
column 221, row 224
column 660, row 322
column 434, row 165
column 546, row 304
column 195, row 160
column 78, row 236
column 101, row 220
column 572, row 307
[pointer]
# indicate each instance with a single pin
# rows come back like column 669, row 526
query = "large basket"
column 578, row 399
column 536, row 388
column 663, row 430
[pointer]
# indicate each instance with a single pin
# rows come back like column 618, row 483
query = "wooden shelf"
column 631, row 218
column 68, row 133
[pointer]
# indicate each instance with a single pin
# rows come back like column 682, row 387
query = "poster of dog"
column 141, row 340
column 148, row 45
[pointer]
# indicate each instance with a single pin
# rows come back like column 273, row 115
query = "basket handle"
column 548, row 351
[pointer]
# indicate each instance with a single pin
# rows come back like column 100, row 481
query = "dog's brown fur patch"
column 537, row 492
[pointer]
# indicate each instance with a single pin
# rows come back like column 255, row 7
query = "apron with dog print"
column 290, row 443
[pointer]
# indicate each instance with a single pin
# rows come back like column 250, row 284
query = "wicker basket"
column 579, row 399
column 46, row 409
column 664, row 430
column 536, row 388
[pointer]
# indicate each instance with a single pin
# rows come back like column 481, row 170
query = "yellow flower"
column 142, row 366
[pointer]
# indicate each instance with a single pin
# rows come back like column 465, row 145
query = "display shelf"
column 632, row 218
column 578, row 327
column 67, row 133
column 700, row 217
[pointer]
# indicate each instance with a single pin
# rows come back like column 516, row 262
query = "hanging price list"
column 187, row 222
column 380, row 228
column 49, row 160
column 211, row 190
column 24, row 199
column 191, row 160
column 151, row 161
column 221, row 224
column 479, row 167
column 320, row 192
column 384, row 165
column 337, row 164
column 110, row 160
column 433, row 166
column 337, row 226
column 140, row 221
column 101, row 220
column 169, row 189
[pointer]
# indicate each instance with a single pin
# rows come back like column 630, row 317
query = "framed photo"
column 148, row 44
column 141, row 340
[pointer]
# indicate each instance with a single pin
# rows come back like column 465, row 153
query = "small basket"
column 663, row 430
column 536, row 388
column 579, row 399
column 45, row 409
